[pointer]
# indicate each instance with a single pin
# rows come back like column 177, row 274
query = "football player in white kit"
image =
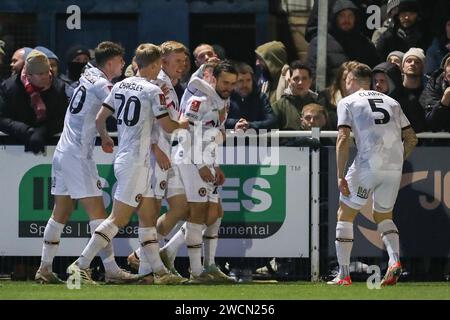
column 74, row 172
column 379, row 126
column 136, row 104
column 166, row 179
column 202, row 83
column 200, row 172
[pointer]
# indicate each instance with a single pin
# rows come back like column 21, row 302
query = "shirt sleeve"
column 192, row 112
column 158, row 102
column 344, row 115
column 108, row 102
column 154, row 135
column 404, row 122
column 102, row 89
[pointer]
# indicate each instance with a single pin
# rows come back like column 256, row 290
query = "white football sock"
column 175, row 243
column 389, row 234
column 138, row 252
column 144, row 266
column 52, row 235
column 210, row 239
column 101, row 237
column 150, row 248
column 344, row 244
column 107, row 253
column 194, row 246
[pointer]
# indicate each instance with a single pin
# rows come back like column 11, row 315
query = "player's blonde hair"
column 173, row 46
column 146, row 54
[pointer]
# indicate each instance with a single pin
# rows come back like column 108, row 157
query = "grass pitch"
column 252, row 291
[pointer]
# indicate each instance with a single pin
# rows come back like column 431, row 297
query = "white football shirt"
column 136, row 104
column 376, row 121
column 159, row 136
column 79, row 133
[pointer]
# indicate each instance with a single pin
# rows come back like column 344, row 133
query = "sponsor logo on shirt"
column 363, row 193
column 192, row 115
column 162, row 99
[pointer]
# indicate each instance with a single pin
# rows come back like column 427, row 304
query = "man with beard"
column 345, row 41
column 406, row 31
column 202, row 177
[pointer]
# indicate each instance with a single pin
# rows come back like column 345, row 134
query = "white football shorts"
column 74, row 176
column 195, row 188
column 133, row 183
column 384, row 185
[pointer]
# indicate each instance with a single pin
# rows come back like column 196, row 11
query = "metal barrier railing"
column 315, row 182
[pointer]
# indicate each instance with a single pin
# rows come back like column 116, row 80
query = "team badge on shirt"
column 195, row 105
column 163, row 185
column 202, row 192
column 138, row 197
column 99, row 184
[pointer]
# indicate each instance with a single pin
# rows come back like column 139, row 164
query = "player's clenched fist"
column 206, row 174
column 107, row 144
column 183, row 124
column 343, row 187
column 220, row 176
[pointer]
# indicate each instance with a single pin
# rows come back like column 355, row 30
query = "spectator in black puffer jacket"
column 436, row 98
column 406, row 32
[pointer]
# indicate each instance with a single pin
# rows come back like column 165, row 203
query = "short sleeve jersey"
column 136, row 104
column 79, row 133
column 203, row 110
column 173, row 108
column 376, row 121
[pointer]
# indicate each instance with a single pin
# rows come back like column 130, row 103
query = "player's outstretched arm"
column 170, row 125
column 342, row 154
column 100, row 123
column 409, row 141
column 222, row 119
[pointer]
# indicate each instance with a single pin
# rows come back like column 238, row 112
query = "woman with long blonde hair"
column 330, row 96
